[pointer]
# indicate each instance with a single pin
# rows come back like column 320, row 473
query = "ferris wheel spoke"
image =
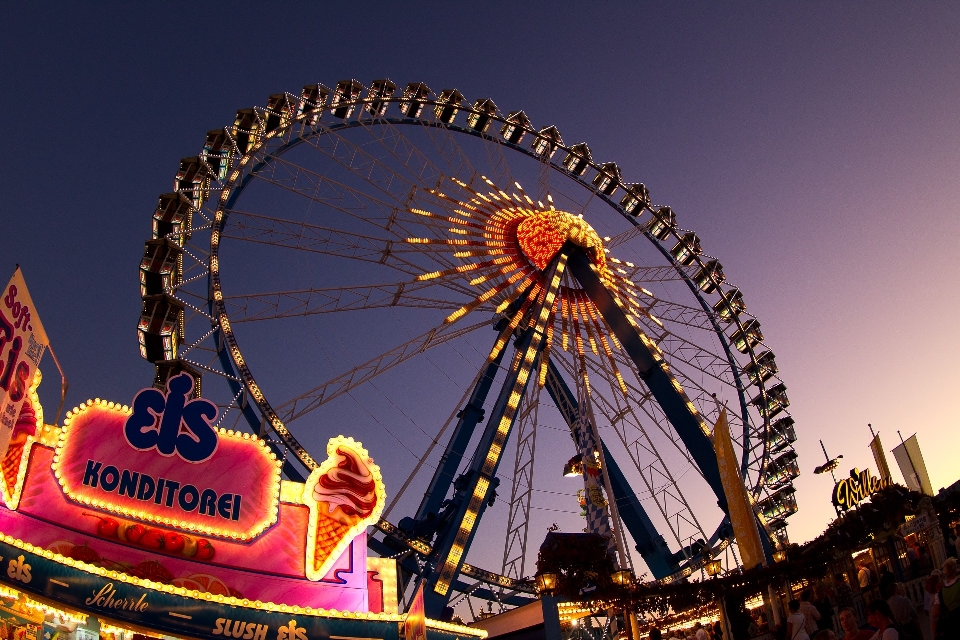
column 666, row 273
column 424, row 170
column 356, row 159
column 681, row 314
column 408, row 155
column 643, row 399
column 454, row 414
column 390, row 215
column 558, row 192
column 305, row 302
column 665, row 427
column 701, row 396
column 655, row 474
column 706, row 403
column 431, row 177
column 499, row 165
column 636, row 390
column 322, row 189
column 301, row 405
column 688, row 353
column 393, row 219
column 252, row 223
column 696, row 356
column 302, row 236
column 458, row 162
column 384, row 177
column 626, row 236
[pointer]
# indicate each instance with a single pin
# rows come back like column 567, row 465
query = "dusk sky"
column 813, row 146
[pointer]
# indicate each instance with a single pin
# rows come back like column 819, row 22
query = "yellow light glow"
column 314, row 572
column 230, row 600
column 271, row 510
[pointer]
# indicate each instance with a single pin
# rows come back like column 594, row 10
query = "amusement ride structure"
column 474, row 298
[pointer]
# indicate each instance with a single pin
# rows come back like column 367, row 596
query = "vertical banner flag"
column 415, row 624
column 880, row 458
column 22, row 342
column 912, row 466
column 741, row 512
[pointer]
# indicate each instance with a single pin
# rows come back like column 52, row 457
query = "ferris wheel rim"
column 238, row 367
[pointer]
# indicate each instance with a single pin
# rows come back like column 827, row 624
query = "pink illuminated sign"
column 164, row 462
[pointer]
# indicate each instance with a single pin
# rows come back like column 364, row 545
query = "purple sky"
column 813, row 146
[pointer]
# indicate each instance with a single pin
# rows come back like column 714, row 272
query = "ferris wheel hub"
column 542, row 234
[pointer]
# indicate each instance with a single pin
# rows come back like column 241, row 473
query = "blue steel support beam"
column 665, row 389
column 655, row 373
column 470, row 416
column 435, row 602
column 474, row 488
column 425, row 522
column 651, row 545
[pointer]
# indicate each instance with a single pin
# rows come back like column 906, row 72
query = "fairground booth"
column 891, row 534
column 136, row 521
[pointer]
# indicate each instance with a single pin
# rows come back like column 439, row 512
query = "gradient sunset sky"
column 814, row 147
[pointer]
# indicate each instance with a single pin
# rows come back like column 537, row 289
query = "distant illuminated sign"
column 849, row 492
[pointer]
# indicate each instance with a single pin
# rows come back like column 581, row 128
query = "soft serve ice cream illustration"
column 345, row 495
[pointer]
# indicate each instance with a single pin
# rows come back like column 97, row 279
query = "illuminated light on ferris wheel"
column 395, row 224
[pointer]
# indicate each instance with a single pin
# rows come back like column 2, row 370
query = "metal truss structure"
column 344, row 243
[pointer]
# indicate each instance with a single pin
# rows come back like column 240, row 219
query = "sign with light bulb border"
column 171, row 470
column 156, row 495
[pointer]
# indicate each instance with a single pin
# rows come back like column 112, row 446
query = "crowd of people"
column 890, row 616
column 698, row 631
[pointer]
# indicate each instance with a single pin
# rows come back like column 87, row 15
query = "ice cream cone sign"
column 345, row 495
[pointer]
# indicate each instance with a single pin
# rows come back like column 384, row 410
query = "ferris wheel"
column 483, row 305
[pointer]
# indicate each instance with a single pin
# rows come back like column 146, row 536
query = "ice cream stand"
column 148, row 519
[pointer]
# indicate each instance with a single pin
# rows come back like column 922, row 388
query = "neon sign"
column 164, row 462
column 345, row 494
column 849, row 492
